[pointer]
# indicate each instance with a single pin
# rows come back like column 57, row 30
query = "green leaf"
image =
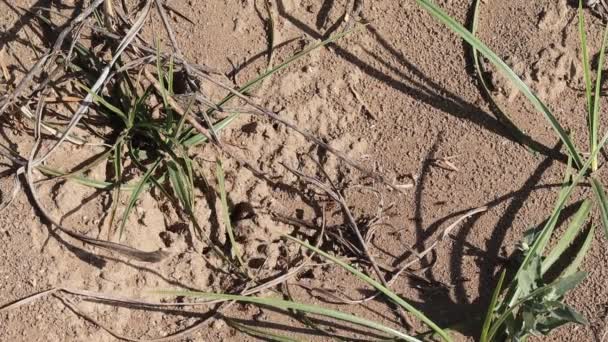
column 529, row 276
column 559, row 286
column 547, row 316
column 563, row 313
column 578, row 259
column 574, row 227
column 602, row 203
column 565, row 284
column 506, row 71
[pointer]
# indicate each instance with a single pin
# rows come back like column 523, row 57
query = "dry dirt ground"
column 397, row 96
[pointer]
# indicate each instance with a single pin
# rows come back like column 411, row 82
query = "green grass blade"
column 182, row 120
column 574, row 227
column 595, row 115
column 289, row 305
column 199, row 138
column 139, row 187
column 117, row 161
column 226, row 214
column 600, row 196
column 100, row 100
column 164, row 91
column 506, row 71
column 170, row 76
column 490, row 315
column 138, row 107
column 387, row 292
column 586, row 64
column 178, row 183
column 92, row 183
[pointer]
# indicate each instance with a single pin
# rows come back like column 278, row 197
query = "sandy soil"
column 397, row 97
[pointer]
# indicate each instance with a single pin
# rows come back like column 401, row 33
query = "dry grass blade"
column 177, row 108
column 5, row 73
column 404, row 268
column 336, row 196
column 363, row 103
column 49, row 57
column 163, row 16
column 303, row 132
column 27, row 300
column 53, row 131
column 16, row 187
column 61, row 293
column 83, row 108
column 109, row 14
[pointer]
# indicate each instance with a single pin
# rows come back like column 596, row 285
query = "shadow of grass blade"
column 289, row 305
column 387, row 292
column 259, row 333
column 271, row 26
column 490, row 315
column 501, row 114
column 460, row 30
column 247, row 86
column 193, row 139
